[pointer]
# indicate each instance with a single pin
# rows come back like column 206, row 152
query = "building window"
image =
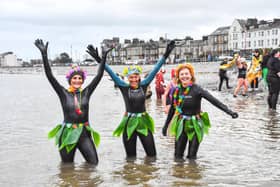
column 276, row 41
column 268, row 33
column 249, row 35
column 249, row 44
column 268, row 43
column 272, row 42
column 276, row 32
column 255, row 43
column 234, row 29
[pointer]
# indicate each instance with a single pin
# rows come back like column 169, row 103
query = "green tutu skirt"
column 69, row 133
column 140, row 122
column 190, row 125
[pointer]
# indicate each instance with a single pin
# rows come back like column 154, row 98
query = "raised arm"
column 93, row 84
column 158, row 65
column 205, row 94
column 94, row 53
column 43, row 49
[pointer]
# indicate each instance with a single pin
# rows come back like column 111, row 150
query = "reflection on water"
column 73, row 175
column 187, row 173
column 138, row 173
column 236, row 153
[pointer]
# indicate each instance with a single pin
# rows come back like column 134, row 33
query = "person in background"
column 223, row 74
column 266, row 57
column 167, row 96
column 273, row 79
column 159, row 83
column 241, row 79
column 254, row 71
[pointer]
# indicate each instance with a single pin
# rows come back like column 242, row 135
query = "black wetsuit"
column 192, row 106
column 85, row 143
column 135, row 103
column 273, row 81
column 223, row 76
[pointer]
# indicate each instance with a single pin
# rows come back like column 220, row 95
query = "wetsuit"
column 223, row 76
column 191, row 107
column 273, row 81
column 85, row 143
column 136, row 111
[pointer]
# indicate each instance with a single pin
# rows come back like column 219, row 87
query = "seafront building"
column 241, row 36
column 10, row 59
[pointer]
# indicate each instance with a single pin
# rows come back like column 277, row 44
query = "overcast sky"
column 76, row 23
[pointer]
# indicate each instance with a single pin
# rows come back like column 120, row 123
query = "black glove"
column 104, row 55
column 41, row 46
column 234, row 115
column 169, row 48
column 93, row 52
column 164, row 131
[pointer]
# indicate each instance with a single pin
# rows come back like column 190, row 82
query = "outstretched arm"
column 158, row 65
column 94, row 53
column 168, row 120
column 43, row 49
column 91, row 50
column 205, row 94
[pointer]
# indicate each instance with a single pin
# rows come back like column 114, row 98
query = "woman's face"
column 185, row 76
column 133, row 80
column 76, row 81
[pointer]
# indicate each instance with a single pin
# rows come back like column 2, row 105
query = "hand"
column 40, row 45
column 169, row 48
column 93, row 52
column 104, row 55
column 234, row 115
column 164, row 131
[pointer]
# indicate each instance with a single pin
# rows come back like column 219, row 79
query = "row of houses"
column 242, row 36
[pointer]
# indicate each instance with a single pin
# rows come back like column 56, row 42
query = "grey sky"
column 66, row 23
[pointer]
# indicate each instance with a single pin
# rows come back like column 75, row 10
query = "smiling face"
column 185, row 77
column 134, row 80
column 76, row 81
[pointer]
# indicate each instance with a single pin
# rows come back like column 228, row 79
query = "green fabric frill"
column 70, row 133
column 140, row 122
column 193, row 125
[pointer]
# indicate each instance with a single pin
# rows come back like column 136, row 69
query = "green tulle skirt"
column 191, row 125
column 140, row 122
column 68, row 134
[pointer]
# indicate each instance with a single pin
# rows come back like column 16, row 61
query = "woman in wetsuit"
column 136, row 121
column 273, row 79
column 188, row 122
column 75, row 131
column 242, row 70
